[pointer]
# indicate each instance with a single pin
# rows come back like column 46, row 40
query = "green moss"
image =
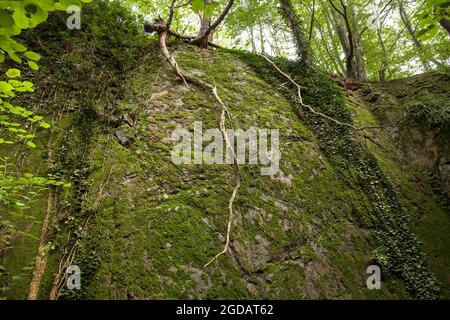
column 145, row 227
column 386, row 216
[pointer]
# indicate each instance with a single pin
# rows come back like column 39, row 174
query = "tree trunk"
column 346, row 38
column 339, row 68
column 384, row 61
column 359, row 53
column 274, row 36
column 445, row 24
column 252, row 39
column 205, row 24
column 412, row 34
column 261, row 39
column 203, row 40
column 303, row 50
column 329, row 22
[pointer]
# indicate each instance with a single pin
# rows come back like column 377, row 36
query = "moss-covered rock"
column 141, row 227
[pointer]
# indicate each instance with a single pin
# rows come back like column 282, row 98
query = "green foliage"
column 16, row 195
column 207, row 8
column 18, row 123
column 433, row 11
column 16, row 16
column 109, row 45
column 435, row 111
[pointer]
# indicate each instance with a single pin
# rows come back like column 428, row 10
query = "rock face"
column 303, row 233
column 123, row 139
column 419, row 107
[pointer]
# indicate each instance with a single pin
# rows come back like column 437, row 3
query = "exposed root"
column 42, row 257
column 237, row 177
column 187, row 78
column 310, row 108
column 61, row 276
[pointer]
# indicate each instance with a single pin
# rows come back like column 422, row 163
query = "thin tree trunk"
column 252, row 39
column 272, row 47
column 333, row 44
column 412, row 34
column 311, row 25
column 337, row 63
column 303, row 49
column 359, row 53
column 274, row 36
column 345, row 34
column 384, row 61
column 261, row 39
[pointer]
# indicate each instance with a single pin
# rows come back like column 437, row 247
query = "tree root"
column 42, row 257
column 187, row 78
column 310, row 108
column 237, row 177
column 152, row 28
column 61, row 277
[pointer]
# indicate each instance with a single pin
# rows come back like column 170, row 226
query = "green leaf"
column 20, row 17
column 15, row 83
column 209, row 9
column 14, row 57
column 44, row 125
column 32, row 55
column 197, row 5
column 33, row 65
column 31, row 144
column 5, row 87
column 27, row 84
column 65, row 4
column 36, row 118
column 13, row 73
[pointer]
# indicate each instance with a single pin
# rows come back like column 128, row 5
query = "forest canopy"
column 375, row 39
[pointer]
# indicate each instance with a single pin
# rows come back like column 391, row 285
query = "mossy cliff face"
column 142, row 227
column 418, row 112
column 156, row 224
